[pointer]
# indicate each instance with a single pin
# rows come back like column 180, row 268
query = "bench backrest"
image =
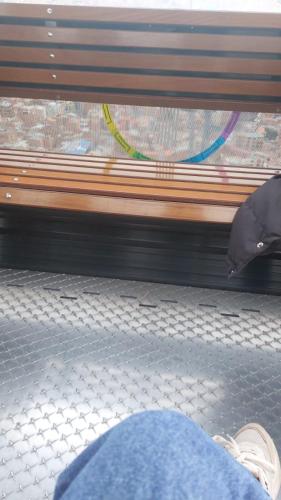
column 210, row 60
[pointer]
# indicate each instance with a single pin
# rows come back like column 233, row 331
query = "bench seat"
column 201, row 193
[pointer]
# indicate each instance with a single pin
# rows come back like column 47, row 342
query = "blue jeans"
column 158, row 455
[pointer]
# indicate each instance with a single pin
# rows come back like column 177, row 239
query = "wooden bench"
column 185, row 59
column 126, row 187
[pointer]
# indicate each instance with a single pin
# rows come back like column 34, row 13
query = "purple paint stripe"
column 231, row 124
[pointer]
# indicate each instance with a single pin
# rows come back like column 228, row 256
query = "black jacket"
column 256, row 228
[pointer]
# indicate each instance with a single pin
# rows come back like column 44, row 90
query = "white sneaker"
column 253, row 447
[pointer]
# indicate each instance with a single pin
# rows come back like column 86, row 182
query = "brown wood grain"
column 221, row 186
column 140, row 82
column 49, row 157
column 126, row 191
column 141, row 61
column 55, row 189
column 126, row 38
column 215, row 175
column 117, row 206
column 260, row 105
column 131, row 89
column 156, row 16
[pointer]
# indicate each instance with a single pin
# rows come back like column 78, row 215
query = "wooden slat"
column 110, row 180
column 219, row 177
column 192, row 176
column 141, row 61
column 125, row 191
column 160, row 90
column 155, row 16
column 172, row 175
column 126, row 38
column 118, row 206
column 140, row 82
column 219, row 174
column 48, row 157
column 222, row 103
column 53, row 188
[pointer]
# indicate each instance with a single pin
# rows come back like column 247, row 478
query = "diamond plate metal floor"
column 78, row 354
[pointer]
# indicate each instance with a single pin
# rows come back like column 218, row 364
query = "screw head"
column 8, row 195
column 260, row 245
column 16, row 178
column 54, row 77
column 24, row 171
column 52, row 56
column 50, row 33
column 49, row 11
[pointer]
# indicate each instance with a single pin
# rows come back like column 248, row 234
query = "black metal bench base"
column 128, row 248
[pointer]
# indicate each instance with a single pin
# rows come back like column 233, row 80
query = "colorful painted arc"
column 203, row 155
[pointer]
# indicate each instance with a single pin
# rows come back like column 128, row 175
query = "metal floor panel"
column 79, row 354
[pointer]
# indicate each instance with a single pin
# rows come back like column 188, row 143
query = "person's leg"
column 157, row 456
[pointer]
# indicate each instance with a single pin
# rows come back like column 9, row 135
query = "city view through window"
column 160, row 133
